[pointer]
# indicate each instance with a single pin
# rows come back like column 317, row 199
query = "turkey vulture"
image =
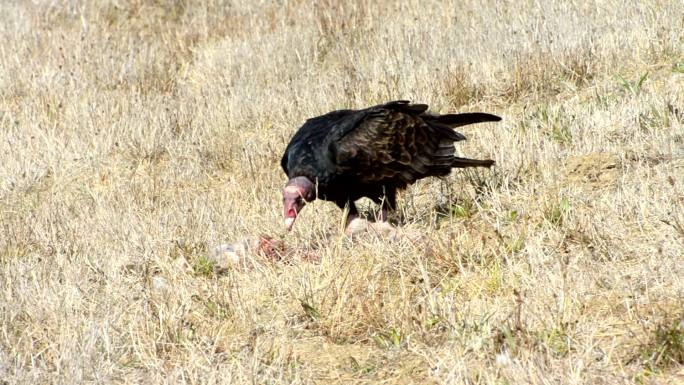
column 348, row 154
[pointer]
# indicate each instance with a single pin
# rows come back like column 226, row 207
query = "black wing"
column 307, row 152
column 399, row 143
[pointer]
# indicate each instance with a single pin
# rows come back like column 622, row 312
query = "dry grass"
column 137, row 135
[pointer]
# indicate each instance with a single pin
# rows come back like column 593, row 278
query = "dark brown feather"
column 398, row 143
column 356, row 153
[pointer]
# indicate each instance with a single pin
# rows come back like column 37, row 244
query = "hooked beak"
column 289, row 221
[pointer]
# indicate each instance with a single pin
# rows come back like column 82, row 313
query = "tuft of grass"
column 557, row 212
column 578, row 68
column 310, row 311
column 460, row 90
column 217, row 310
column 678, row 67
column 666, row 346
column 461, row 211
column 391, row 339
column 561, row 134
column 515, row 244
column 634, row 87
column 513, row 215
column 203, row 266
column 556, row 341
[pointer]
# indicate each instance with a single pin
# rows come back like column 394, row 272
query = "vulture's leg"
column 388, row 203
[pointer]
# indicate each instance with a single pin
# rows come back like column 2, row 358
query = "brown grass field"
column 137, row 136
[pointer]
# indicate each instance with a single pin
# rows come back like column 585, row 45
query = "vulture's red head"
column 296, row 193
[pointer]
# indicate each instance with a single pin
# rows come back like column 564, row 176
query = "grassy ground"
column 135, row 136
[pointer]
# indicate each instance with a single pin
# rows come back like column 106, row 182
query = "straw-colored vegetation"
column 135, row 136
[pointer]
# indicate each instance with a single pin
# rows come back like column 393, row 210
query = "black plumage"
column 373, row 152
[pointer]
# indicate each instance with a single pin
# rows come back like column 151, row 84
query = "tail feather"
column 458, row 120
column 406, row 107
column 465, row 162
column 445, row 131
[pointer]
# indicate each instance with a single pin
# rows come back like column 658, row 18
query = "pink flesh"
column 292, row 190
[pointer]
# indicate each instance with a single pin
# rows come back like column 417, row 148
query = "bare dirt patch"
column 592, row 171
